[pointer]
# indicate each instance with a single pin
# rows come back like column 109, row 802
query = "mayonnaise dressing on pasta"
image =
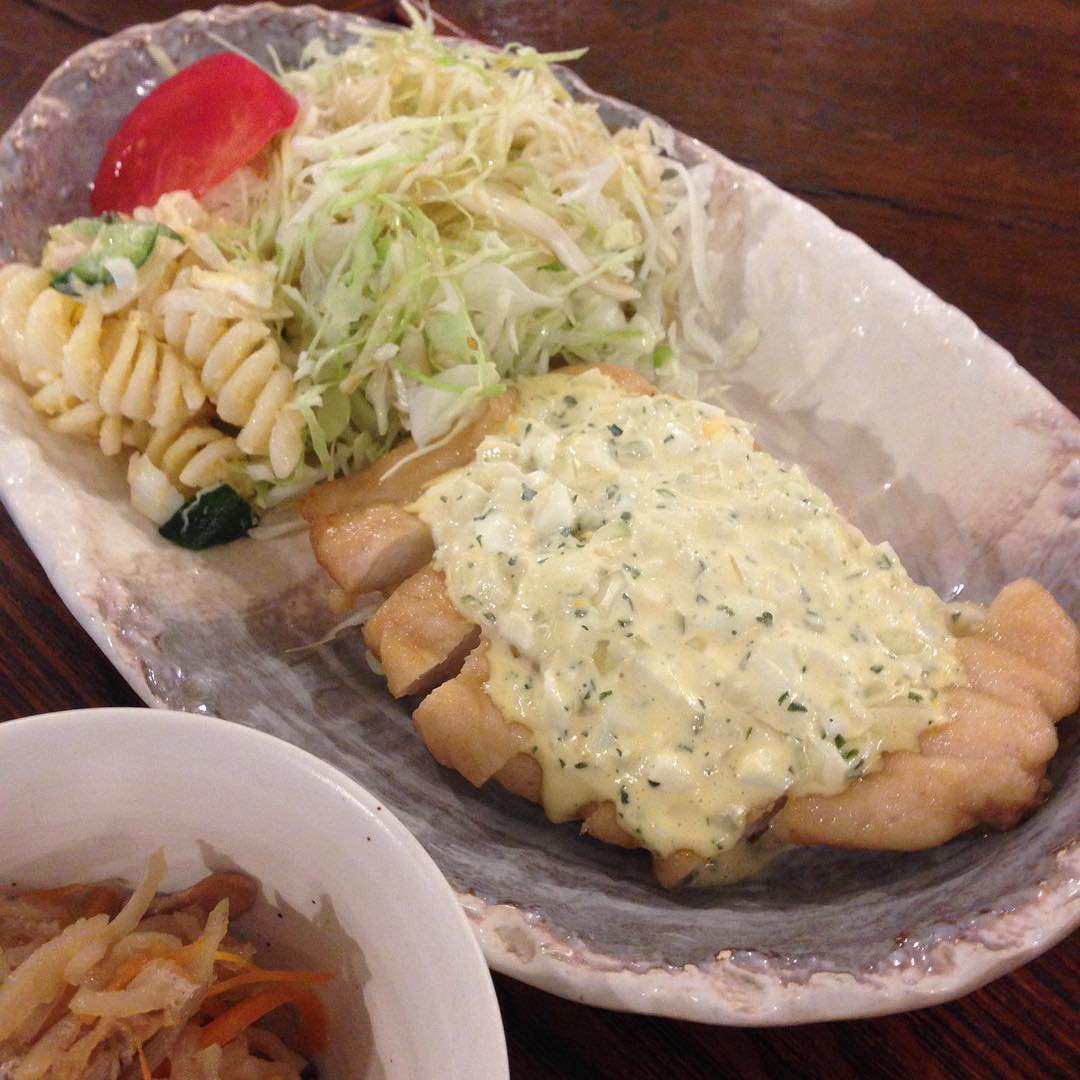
column 688, row 626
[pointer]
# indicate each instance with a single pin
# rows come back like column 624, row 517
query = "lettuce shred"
column 443, row 218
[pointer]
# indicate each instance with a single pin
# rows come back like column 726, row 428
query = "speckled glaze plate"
column 924, row 430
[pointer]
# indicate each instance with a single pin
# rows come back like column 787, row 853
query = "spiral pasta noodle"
column 241, row 368
column 194, row 456
column 177, row 462
column 87, row 419
column 35, row 321
column 116, row 362
column 99, row 377
column 90, row 366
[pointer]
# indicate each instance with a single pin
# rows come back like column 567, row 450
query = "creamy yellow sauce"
column 688, row 627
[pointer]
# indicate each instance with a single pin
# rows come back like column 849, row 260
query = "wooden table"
column 945, row 133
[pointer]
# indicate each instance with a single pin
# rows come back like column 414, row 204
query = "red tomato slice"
column 191, row 132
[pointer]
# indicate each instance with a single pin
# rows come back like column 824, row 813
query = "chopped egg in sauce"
column 688, row 626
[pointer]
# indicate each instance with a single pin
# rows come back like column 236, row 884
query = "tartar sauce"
column 687, row 625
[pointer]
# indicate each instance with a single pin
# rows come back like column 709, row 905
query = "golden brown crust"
column 465, row 730
column 675, row 869
column 462, row 726
column 371, row 548
column 1021, row 621
column 624, row 378
column 602, row 821
column 522, row 775
column 418, row 635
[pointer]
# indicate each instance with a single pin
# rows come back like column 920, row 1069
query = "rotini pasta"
column 194, row 456
column 70, row 416
column 241, row 368
column 81, row 357
column 177, row 462
column 113, row 433
column 114, row 361
column 35, row 322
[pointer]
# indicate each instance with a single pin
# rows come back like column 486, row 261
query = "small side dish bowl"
column 89, row 794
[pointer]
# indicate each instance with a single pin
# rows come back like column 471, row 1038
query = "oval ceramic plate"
column 90, row 794
column 923, row 429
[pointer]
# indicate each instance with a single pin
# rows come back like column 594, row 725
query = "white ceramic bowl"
column 89, row 794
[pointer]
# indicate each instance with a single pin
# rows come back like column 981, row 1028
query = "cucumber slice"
column 214, row 515
column 104, row 238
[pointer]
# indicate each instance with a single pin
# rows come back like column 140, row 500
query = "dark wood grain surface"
column 944, row 132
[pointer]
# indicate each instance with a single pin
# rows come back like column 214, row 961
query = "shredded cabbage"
column 443, row 218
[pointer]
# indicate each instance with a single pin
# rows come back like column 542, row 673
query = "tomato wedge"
column 191, row 132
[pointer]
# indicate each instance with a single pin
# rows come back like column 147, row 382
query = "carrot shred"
column 227, row 1019
column 312, row 1037
column 224, row 1028
column 260, row 975
column 59, row 892
column 312, row 1032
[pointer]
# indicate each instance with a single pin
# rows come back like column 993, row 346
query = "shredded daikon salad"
column 95, row 987
column 443, row 218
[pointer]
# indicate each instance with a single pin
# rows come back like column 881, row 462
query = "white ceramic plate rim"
column 485, row 1045
column 731, row 993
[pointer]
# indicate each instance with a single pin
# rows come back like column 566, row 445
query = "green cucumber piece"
column 107, row 237
column 215, row 515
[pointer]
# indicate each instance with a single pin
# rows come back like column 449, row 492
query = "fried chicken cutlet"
column 613, row 604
